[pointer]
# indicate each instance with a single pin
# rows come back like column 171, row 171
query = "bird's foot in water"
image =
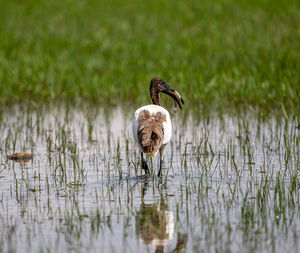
column 160, row 168
column 159, row 174
column 145, row 167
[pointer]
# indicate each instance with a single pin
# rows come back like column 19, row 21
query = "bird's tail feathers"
column 150, row 133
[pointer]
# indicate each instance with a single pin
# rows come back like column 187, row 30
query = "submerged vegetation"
column 223, row 54
column 231, row 184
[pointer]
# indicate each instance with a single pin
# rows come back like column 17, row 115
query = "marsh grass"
column 230, row 184
column 220, row 54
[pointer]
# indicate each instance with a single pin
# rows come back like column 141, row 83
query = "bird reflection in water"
column 155, row 225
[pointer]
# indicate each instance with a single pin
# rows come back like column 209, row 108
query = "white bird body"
column 153, row 110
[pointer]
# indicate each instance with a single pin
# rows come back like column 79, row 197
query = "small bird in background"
column 152, row 128
column 23, row 157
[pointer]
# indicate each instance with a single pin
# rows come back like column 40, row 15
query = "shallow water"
column 229, row 184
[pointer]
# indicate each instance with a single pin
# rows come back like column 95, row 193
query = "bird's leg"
column 160, row 166
column 144, row 164
column 161, row 161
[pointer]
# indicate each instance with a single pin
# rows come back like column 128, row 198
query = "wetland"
column 230, row 183
column 72, row 73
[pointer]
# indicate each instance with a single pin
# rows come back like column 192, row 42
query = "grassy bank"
column 224, row 54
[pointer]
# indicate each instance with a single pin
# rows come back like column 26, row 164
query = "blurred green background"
column 221, row 54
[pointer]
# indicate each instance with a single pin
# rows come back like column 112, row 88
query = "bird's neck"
column 154, row 93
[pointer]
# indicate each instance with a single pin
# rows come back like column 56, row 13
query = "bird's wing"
column 150, row 131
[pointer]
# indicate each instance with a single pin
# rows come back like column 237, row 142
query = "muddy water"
column 229, row 184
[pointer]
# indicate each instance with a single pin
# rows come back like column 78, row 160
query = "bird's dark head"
column 159, row 85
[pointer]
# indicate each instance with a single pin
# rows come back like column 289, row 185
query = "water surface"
column 229, row 184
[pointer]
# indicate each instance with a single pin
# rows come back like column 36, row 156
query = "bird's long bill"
column 174, row 94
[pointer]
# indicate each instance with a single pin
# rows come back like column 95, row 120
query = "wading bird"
column 152, row 127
